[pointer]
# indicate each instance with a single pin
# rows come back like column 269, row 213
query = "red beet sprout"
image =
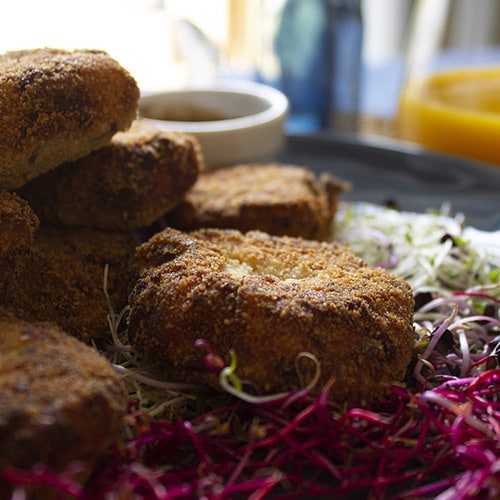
column 443, row 441
column 436, row 434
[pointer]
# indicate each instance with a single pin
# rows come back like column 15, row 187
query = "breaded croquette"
column 277, row 199
column 18, row 225
column 142, row 174
column 57, row 106
column 60, row 279
column 270, row 298
column 60, row 400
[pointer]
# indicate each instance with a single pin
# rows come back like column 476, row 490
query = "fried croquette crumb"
column 60, row 279
column 18, row 225
column 270, row 298
column 59, row 399
column 56, row 106
column 142, row 174
column 275, row 198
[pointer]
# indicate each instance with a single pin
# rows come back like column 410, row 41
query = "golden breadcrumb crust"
column 142, row 174
column 270, row 298
column 60, row 279
column 18, row 225
column 57, row 106
column 275, row 198
column 59, row 399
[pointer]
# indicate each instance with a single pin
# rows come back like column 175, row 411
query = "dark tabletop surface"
column 384, row 171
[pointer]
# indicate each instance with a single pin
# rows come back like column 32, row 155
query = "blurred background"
column 359, row 46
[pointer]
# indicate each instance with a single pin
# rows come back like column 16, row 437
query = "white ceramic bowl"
column 235, row 122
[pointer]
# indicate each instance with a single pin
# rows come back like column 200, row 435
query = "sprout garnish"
column 436, row 435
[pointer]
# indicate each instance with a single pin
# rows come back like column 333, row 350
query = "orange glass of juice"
column 455, row 111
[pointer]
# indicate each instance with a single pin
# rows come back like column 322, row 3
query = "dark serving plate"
column 414, row 179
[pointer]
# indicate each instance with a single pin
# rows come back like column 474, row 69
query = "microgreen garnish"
column 436, row 435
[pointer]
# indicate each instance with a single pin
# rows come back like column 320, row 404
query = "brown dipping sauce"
column 184, row 113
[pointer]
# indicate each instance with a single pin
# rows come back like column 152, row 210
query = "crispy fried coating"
column 276, row 198
column 142, row 174
column 18, row 225
column 60, row 279
column 270, row 298
column 59, row 399
column 57, row 106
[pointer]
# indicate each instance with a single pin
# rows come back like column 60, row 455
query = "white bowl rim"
column 278, row 107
